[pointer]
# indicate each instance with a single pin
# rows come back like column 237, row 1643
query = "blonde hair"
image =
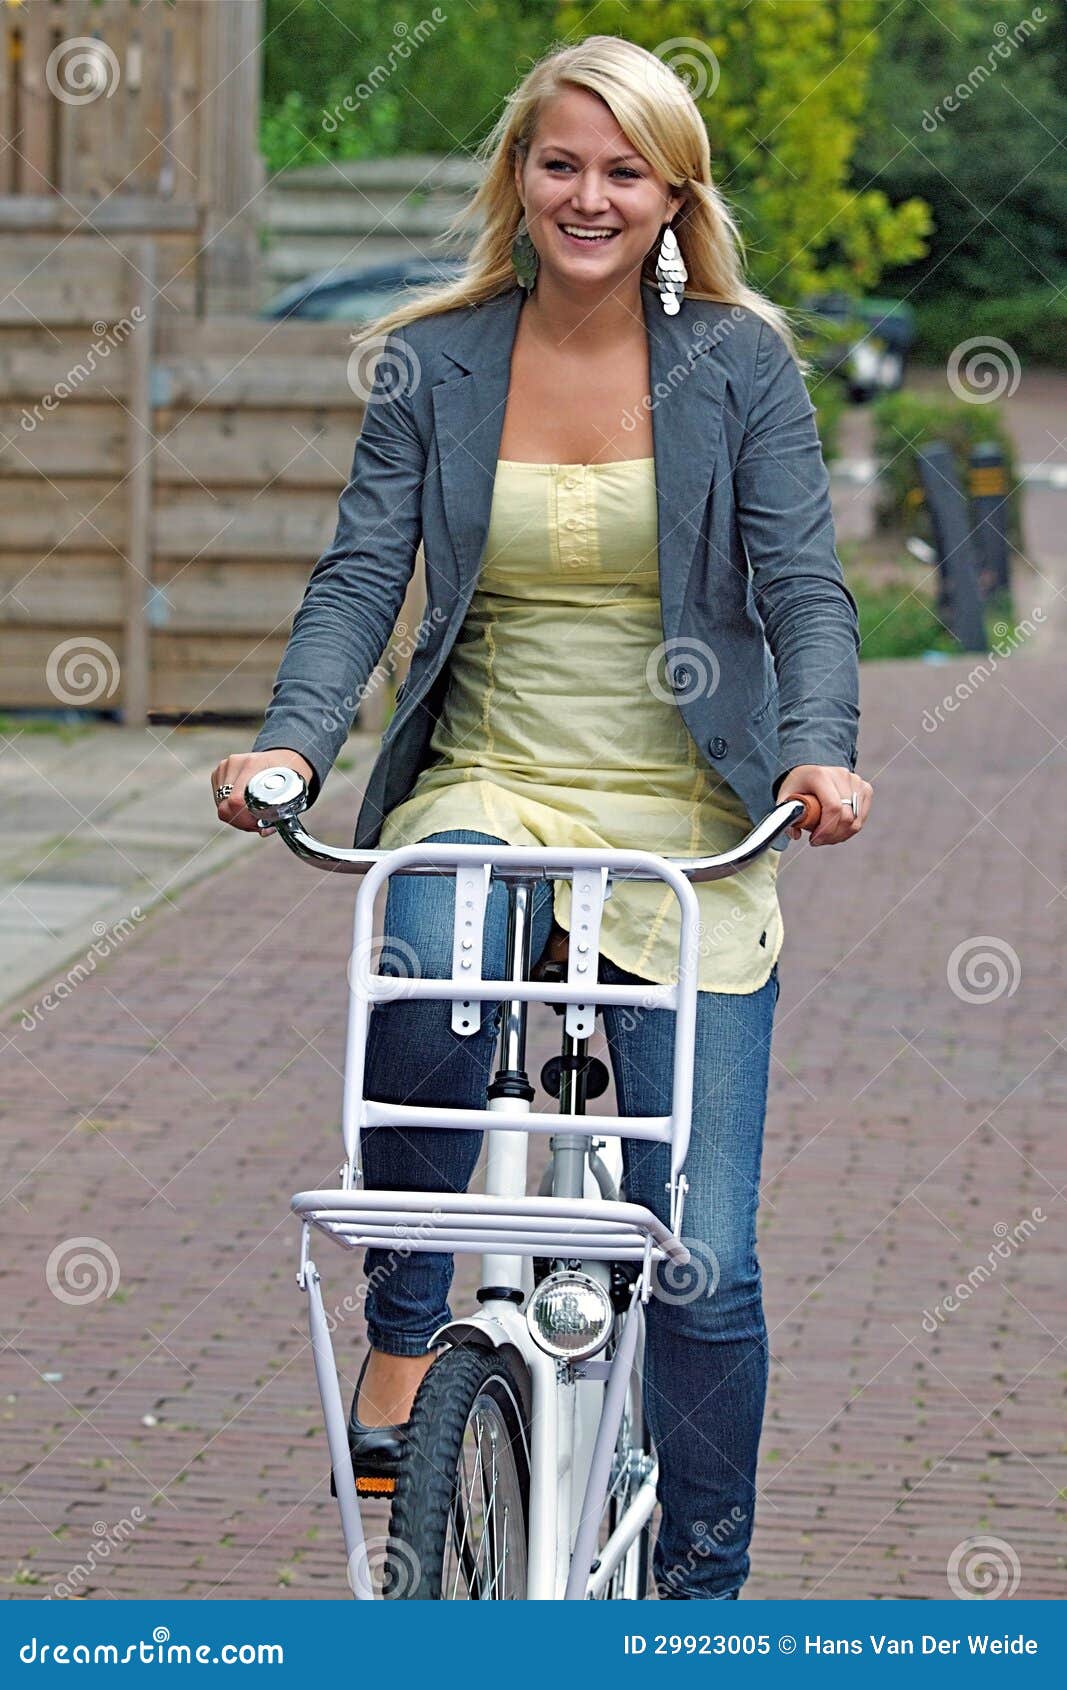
column 659, row 117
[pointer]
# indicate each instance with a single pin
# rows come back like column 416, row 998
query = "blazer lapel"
column 468, row 409
column 687, row 384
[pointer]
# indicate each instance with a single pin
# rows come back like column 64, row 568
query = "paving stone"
column 174, row 1102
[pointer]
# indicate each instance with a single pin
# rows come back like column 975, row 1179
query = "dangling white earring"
column 671, row 273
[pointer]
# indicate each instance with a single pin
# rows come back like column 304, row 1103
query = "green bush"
column 1033, row 324
column 897, row 618
column 903, row 422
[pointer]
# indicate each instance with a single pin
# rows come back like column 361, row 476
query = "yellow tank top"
column 559, row 726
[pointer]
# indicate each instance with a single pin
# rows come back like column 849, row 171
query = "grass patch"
column 55, row 728
column 897, row 620
column 896, row 598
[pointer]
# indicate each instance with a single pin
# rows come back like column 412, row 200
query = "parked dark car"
column 358, row 296
column 869, row 344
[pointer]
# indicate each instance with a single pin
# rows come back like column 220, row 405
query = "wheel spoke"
column 479, row 1513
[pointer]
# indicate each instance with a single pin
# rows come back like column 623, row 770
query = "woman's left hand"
column 830, row 786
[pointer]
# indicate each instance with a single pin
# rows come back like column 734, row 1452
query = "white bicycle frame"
column 574, row 1410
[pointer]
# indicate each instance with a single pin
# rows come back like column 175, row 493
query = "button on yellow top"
column 560, row 726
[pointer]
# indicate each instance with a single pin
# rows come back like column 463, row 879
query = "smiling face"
column 594, row 207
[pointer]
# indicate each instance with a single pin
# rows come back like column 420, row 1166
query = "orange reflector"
column 375, row 1487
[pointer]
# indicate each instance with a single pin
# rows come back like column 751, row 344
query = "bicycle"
column 527, row 1472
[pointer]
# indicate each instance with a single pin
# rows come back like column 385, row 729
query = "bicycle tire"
column 428, row 1502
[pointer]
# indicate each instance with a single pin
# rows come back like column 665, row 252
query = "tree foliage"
column 436, row 87
column 783, row 104
column 781, row 84
column 968, row 108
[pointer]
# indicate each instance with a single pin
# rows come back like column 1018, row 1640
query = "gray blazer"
column 761, row 631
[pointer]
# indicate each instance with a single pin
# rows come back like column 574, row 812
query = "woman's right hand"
column 237, row 771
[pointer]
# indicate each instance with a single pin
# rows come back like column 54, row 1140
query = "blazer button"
column 718, row 746
column 680, row 677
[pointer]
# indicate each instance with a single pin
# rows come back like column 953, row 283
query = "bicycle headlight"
column 570, row 1316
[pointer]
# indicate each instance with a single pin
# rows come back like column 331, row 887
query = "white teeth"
column 587, row 234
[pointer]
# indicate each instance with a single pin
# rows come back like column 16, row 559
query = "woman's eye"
column 620, row 169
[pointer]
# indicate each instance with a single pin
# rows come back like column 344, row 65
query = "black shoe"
column 376, row 1450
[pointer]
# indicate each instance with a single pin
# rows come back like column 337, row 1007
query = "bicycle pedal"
column 375, row 1487
column 367, row 1486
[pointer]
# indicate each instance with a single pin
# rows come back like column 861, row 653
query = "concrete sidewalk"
column 101, row 825
column 160, row 1420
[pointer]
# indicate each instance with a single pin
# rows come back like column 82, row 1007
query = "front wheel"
column 458, row 1531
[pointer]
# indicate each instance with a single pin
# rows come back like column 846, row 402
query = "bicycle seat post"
column 570, row 1151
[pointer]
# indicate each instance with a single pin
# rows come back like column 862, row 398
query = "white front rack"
column 470, row 1223
column 591, row 873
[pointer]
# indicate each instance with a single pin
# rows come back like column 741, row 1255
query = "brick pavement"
column 173, row 1103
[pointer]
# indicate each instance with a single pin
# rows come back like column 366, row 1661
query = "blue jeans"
column 706, row 1339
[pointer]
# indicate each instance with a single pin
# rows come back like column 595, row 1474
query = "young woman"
column 637, row 634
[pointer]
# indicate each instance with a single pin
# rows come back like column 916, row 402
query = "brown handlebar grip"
column 812, row 810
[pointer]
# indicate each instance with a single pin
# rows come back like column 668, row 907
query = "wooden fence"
column 166, row 484
column 126, row 118
column 355, row 212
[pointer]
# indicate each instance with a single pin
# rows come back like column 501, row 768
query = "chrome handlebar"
column 278, row 796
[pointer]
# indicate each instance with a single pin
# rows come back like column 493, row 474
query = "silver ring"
column 222, row 792
column 852, row 803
